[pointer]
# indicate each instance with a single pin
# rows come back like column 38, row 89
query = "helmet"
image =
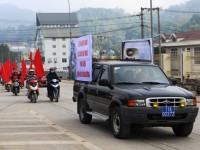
column 52, row 68
column 15, row 72
column 31, row 72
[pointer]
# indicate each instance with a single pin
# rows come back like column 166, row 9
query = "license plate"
column 168, row 111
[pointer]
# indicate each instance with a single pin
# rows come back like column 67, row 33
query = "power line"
column 116, row 30
column 179, row 11
column 176, row 30
column 121, row 29
column 105, row 19
column 106, row 25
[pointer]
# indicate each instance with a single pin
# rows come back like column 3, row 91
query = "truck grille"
column 165, row 101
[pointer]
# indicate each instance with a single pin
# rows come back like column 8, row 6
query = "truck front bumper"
column 146, row 116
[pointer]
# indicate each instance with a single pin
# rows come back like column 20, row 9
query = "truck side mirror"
column 104, row 82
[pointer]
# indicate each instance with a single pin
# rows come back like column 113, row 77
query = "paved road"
column 49, row 125
column 22, row 127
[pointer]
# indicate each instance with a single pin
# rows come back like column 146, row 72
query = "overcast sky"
column 129, row 6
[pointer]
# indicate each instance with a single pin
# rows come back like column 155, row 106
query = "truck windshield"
column 139, row 75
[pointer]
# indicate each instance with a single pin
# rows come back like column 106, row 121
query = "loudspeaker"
column 131, row 53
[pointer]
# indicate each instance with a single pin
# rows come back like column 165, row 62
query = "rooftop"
column 56, row 19
column 61, row 32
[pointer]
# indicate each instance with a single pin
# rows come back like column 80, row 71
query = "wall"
column 190, row 70
column 59, row 53
column 166, row 64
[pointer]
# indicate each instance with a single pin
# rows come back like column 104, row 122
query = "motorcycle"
column 15, row 86
column 8, row 86
column 1, row 80
column 21, row 84
column 33, row 90
column 54, row 90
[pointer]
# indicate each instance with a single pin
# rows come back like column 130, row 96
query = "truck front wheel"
column 183, row 129
column 84, row 117
column 120, row 130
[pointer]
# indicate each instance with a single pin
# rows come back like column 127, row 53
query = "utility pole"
column 70, row 32
column 160, row 55
column 151, row 19
column 142, row 23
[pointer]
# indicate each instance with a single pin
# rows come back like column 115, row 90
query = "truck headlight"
column 191, row 102
column 135, row 103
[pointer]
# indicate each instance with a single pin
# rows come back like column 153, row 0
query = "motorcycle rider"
column 15, row 75
column 51, row 75
column 30, row 76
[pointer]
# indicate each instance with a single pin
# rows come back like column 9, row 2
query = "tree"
column 5, row 54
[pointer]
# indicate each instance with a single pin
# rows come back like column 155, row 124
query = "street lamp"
column 70, row 33
column 151, row 19
column 151, row 25
column 70, row 36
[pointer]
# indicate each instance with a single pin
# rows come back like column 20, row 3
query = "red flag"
column 0, row 68
column 23, row 71
column 39, row 70
column 7, row 71
column 15, row 66
column 31, row 61
column 2, row 71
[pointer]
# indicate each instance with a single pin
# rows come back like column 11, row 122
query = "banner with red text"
column 81, row 62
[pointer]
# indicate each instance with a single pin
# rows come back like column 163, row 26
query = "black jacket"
column 51, row 76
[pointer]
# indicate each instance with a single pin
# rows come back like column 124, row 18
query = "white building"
column 53, row 37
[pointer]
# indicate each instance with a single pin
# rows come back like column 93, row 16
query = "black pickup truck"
column 134, row 94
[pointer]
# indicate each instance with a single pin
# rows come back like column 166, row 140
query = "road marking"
column 8, row 113
column 16, row 117
column 17, row 143
column 77, row 138
column 35, row 117
column 33, row 120
column 24, row 126
column 33, row 133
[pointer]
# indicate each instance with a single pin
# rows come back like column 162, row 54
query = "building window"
column 188, row 50
column 197, row 55
column 163, row 40
column 64, row 53
column 174, row 52
column 63, row 39
column 54, row 53
column 64, row 60
column 63, row 46
column 53, row 39
column 49, row 60
column 64, row 68
column 54, row 46
column 72, row 25
column 174, row 61
column 174, row 39
column 55, row 60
